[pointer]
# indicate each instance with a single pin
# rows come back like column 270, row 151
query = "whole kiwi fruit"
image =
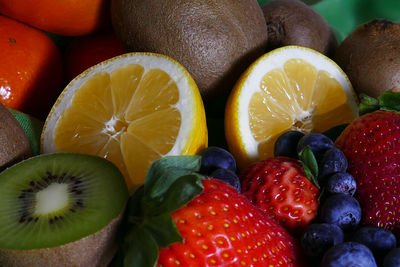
column 292, row 22
column 370, row 56
column 14, row 143
column 214, row 40
column 61, row 209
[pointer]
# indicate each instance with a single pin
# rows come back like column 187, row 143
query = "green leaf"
column 171, row 182
column 335, row 131
column 132, row 212
column 368, row 100
column 179, row 193
column 134, row 202
column 390, row 101
column 164, row 171
column 309, row 164
column 367, row 104
column 139, row 249
column 163, row 230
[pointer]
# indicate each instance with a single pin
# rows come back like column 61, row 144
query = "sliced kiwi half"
column 54, row 199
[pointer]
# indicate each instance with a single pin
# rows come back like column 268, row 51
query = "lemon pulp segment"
column 127, row 117
column 296, row 97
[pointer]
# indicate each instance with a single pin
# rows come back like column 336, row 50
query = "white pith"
column 51, row 199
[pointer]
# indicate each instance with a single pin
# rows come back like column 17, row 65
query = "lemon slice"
column 289, row 88
column 131, row 110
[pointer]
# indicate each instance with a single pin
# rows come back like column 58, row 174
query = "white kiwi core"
column 52, row 199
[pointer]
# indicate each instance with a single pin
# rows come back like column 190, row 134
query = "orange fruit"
column 131, row 109
column 86, row 51
column 67, row 17
column 31, row 72
column 289, row 88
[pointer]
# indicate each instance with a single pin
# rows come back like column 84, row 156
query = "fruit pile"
column 198, row 133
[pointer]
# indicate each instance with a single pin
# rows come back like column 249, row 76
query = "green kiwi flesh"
column 55, row 199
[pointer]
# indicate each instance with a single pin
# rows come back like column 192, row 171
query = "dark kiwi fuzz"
column 60, row 209
column 214, row 40
column 370, row 56
column 292, row 22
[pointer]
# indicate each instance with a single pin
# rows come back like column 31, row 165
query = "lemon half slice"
column 131, row 110
column 289, row 88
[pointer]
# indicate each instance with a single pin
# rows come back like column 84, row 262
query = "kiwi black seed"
column 54, row 200
column 292, row 22
column 27, row 196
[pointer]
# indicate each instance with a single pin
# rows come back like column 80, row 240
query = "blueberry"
column 380, row 241
column 342, row 210
column 317, row 238
column 213, row 158
column 348, row 254
column 392, row 259
column 332, row 161
column 341, row 182
column 286, row 144
column 227, row 176
column 317, row 142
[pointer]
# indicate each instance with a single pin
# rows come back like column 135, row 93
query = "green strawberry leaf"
column 178, row 194
column 390, row 101
column 389, row 109
column 368, row 100
column 335, row 131
column 163, row 172
column 133, row 207
column 138, row 249
column 367, row 104
column 309, row 164
column 163, row 230
column 171, row 182
column 132, row 212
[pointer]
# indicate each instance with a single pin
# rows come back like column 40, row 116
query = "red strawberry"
column 221, row 227
column 371, row 144
column 280, row 187
column 218, row 227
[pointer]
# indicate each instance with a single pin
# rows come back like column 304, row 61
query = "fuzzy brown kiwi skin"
column 214, row 40
column 370, row 56
column 14, row 143
column 292, row 22
column 96, row 250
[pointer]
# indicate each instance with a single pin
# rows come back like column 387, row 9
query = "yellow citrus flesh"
column 290, row 88
column 131, row 110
